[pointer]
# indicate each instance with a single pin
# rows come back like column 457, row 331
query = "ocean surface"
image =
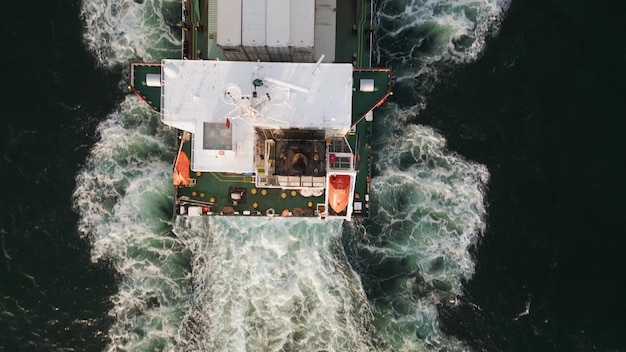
column 498, row 194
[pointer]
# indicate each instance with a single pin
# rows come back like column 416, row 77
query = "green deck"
column 212, row 188
column 352, row 46
column 353, row 31
column 151, row 95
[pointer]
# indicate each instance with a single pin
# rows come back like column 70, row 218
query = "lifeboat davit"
column 339, row 192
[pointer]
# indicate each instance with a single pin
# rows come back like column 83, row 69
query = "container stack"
column 266, row 30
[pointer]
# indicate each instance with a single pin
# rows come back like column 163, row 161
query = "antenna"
column 286, row 84
column 317, row 64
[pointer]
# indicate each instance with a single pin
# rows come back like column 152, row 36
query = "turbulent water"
column 235, row 284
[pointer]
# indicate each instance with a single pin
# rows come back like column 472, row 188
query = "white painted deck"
column 291, row 95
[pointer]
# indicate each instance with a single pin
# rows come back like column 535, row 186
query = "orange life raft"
column 339, row 192
column 181, row 170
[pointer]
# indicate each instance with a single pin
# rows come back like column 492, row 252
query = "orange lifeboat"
column 181, row 170
column 339, row 192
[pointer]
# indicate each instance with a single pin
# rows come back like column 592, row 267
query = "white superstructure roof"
column 215, row 100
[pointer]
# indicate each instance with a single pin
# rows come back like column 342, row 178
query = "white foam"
column 273, row 285
column 280, row 284
column 415, row 36
column 123, row 197
column 415, row 328
column 118, row 32
column 429, row 206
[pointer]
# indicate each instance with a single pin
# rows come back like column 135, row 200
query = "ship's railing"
column 268, row 159
column 340, row 154
column 339, row 145
column 341, row 162
column 290, row 182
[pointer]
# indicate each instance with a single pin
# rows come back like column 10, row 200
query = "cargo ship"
column 273, row 102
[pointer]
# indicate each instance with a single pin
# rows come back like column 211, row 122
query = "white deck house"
column 222, row 103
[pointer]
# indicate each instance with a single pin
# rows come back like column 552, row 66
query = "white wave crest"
column 273, row 285
column 282, row 285
column 415, row 34
column 120, row 31
column 429, row 211
column 434, row 200
column 123, row 197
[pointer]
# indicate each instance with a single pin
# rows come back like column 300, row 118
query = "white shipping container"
column 278, row 21
column 261, row 53
column 251, row 53
column 302, row 29
column 299, row 57
column 253, row 16
column 234, row 53
column 229, row 23
column 274, row 53
column 279, row 53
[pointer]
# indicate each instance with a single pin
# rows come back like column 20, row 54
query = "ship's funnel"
column 299, row 163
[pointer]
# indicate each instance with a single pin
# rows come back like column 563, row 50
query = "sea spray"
column 221, row 284
column 428, row 202
column 123, row 196
column 273, row 285
column 124, row 192
column 412, row 35
column 428, row 211
column 422, row 39
column 117, row 32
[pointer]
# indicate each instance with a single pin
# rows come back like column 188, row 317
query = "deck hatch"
column 217, row 136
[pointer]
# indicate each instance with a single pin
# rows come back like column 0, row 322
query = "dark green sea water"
column 51, row 297
column 542, row 108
